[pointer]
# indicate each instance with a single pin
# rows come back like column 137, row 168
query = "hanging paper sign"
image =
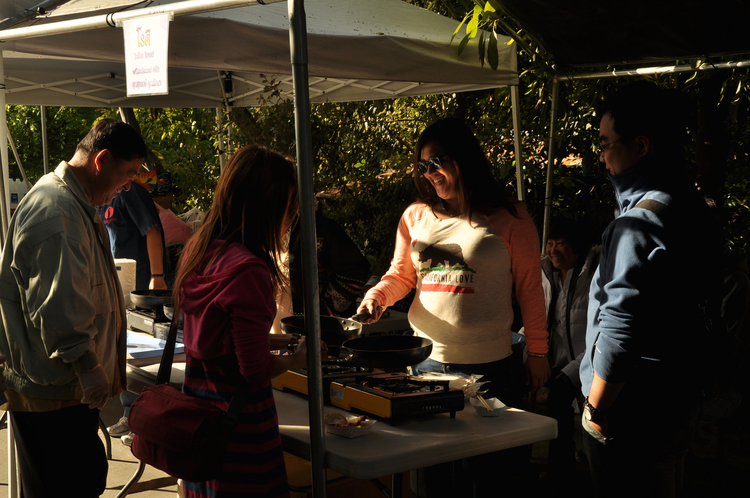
column 146, row 50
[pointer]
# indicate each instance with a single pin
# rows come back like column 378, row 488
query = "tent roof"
column 646, row 32
column 357, row 51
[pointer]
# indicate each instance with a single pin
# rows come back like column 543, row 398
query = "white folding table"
column 411, row 444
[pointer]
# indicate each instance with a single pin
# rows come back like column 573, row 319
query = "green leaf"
column 492, row 56
column 481, row 47
column 459, row 26
column 488, row 7
column 462, row 45
column 473, row 26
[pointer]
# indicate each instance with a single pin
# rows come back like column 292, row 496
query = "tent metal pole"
column 298, row 53
column 18, row 159
column 515, row 100
column 14, row 489
column 655, row 70
column 550, row 162
column 4, row 183
column 45, row 149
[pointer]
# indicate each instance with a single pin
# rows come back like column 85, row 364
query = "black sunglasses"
column 424, row 166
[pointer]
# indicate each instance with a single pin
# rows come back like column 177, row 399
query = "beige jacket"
column 59, row 293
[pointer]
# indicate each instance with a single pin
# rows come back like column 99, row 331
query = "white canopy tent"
column 358, row 50
column 341, row 50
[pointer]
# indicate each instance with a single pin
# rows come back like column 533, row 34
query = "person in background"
column 567, row 270
column 135, row 232
column 646, row 339
column 226, row 286
column 63, row 328
column 465, row 246
column 342, row 268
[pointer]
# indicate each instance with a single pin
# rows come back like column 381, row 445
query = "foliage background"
column 363, row 150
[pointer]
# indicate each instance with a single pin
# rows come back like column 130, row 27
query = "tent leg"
column 18, row 159
column 550, row 162
column 4, row 183
column 298, row 52
column 515, row 100
column 45, row 148
column 14, row 481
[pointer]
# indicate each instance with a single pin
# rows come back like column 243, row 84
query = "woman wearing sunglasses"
column 466, row 247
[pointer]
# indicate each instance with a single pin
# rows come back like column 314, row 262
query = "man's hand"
column 95, row 387
column 537, row 372
column 3, row 384
column 602, row 429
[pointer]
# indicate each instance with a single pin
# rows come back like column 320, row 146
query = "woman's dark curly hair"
column 478, row 191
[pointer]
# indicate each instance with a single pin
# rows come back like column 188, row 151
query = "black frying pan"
column 388, row 351
column 151, row 299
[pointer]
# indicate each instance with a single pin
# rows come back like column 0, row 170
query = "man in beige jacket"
column 63, row 323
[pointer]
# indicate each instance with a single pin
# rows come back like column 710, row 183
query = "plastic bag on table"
column 469, row 385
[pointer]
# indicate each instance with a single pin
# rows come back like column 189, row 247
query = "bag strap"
column 167, row 357
column 165, row 372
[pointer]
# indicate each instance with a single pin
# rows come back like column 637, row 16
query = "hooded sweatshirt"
column 644, row 321
column 229, row 307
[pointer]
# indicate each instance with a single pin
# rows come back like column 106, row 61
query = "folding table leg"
column 107, row 438
column 133, row 480
column 398, row 485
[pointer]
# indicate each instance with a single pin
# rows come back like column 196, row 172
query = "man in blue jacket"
column 646, row 338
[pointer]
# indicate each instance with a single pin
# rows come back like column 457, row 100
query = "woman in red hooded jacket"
column 226, row 286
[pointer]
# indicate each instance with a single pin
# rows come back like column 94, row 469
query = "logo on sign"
column 144, row 39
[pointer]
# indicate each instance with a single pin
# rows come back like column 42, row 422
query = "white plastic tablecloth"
column 411, row 444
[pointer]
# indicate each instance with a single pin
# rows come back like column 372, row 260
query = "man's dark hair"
column 643, row 109
column 119, row 138
column 578, row 235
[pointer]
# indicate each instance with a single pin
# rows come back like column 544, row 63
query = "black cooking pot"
column 151, row 299
column 333, row 330
column 388, row 351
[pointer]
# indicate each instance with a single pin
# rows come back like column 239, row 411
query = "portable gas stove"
column 333, row 369
column 146, row 320
column 391, row 396
column 396, row 396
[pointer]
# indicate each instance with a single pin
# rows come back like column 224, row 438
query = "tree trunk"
column 244, row 122
column 712, row 147
column 152, row 162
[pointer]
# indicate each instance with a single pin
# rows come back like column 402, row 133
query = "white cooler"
column 126, row 274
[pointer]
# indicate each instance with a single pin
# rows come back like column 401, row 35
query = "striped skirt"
column 254, row 461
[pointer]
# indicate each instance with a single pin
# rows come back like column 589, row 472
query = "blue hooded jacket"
column 645, row 323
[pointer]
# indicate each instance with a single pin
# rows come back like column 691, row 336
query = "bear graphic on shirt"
column 445, row 255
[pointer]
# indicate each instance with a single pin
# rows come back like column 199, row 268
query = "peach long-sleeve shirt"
column 464, row 275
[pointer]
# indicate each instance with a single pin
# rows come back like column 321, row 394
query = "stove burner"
column 336, row 368
column 398, row 387
column 395, row 395
column 149, row 312
column 395, row 383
